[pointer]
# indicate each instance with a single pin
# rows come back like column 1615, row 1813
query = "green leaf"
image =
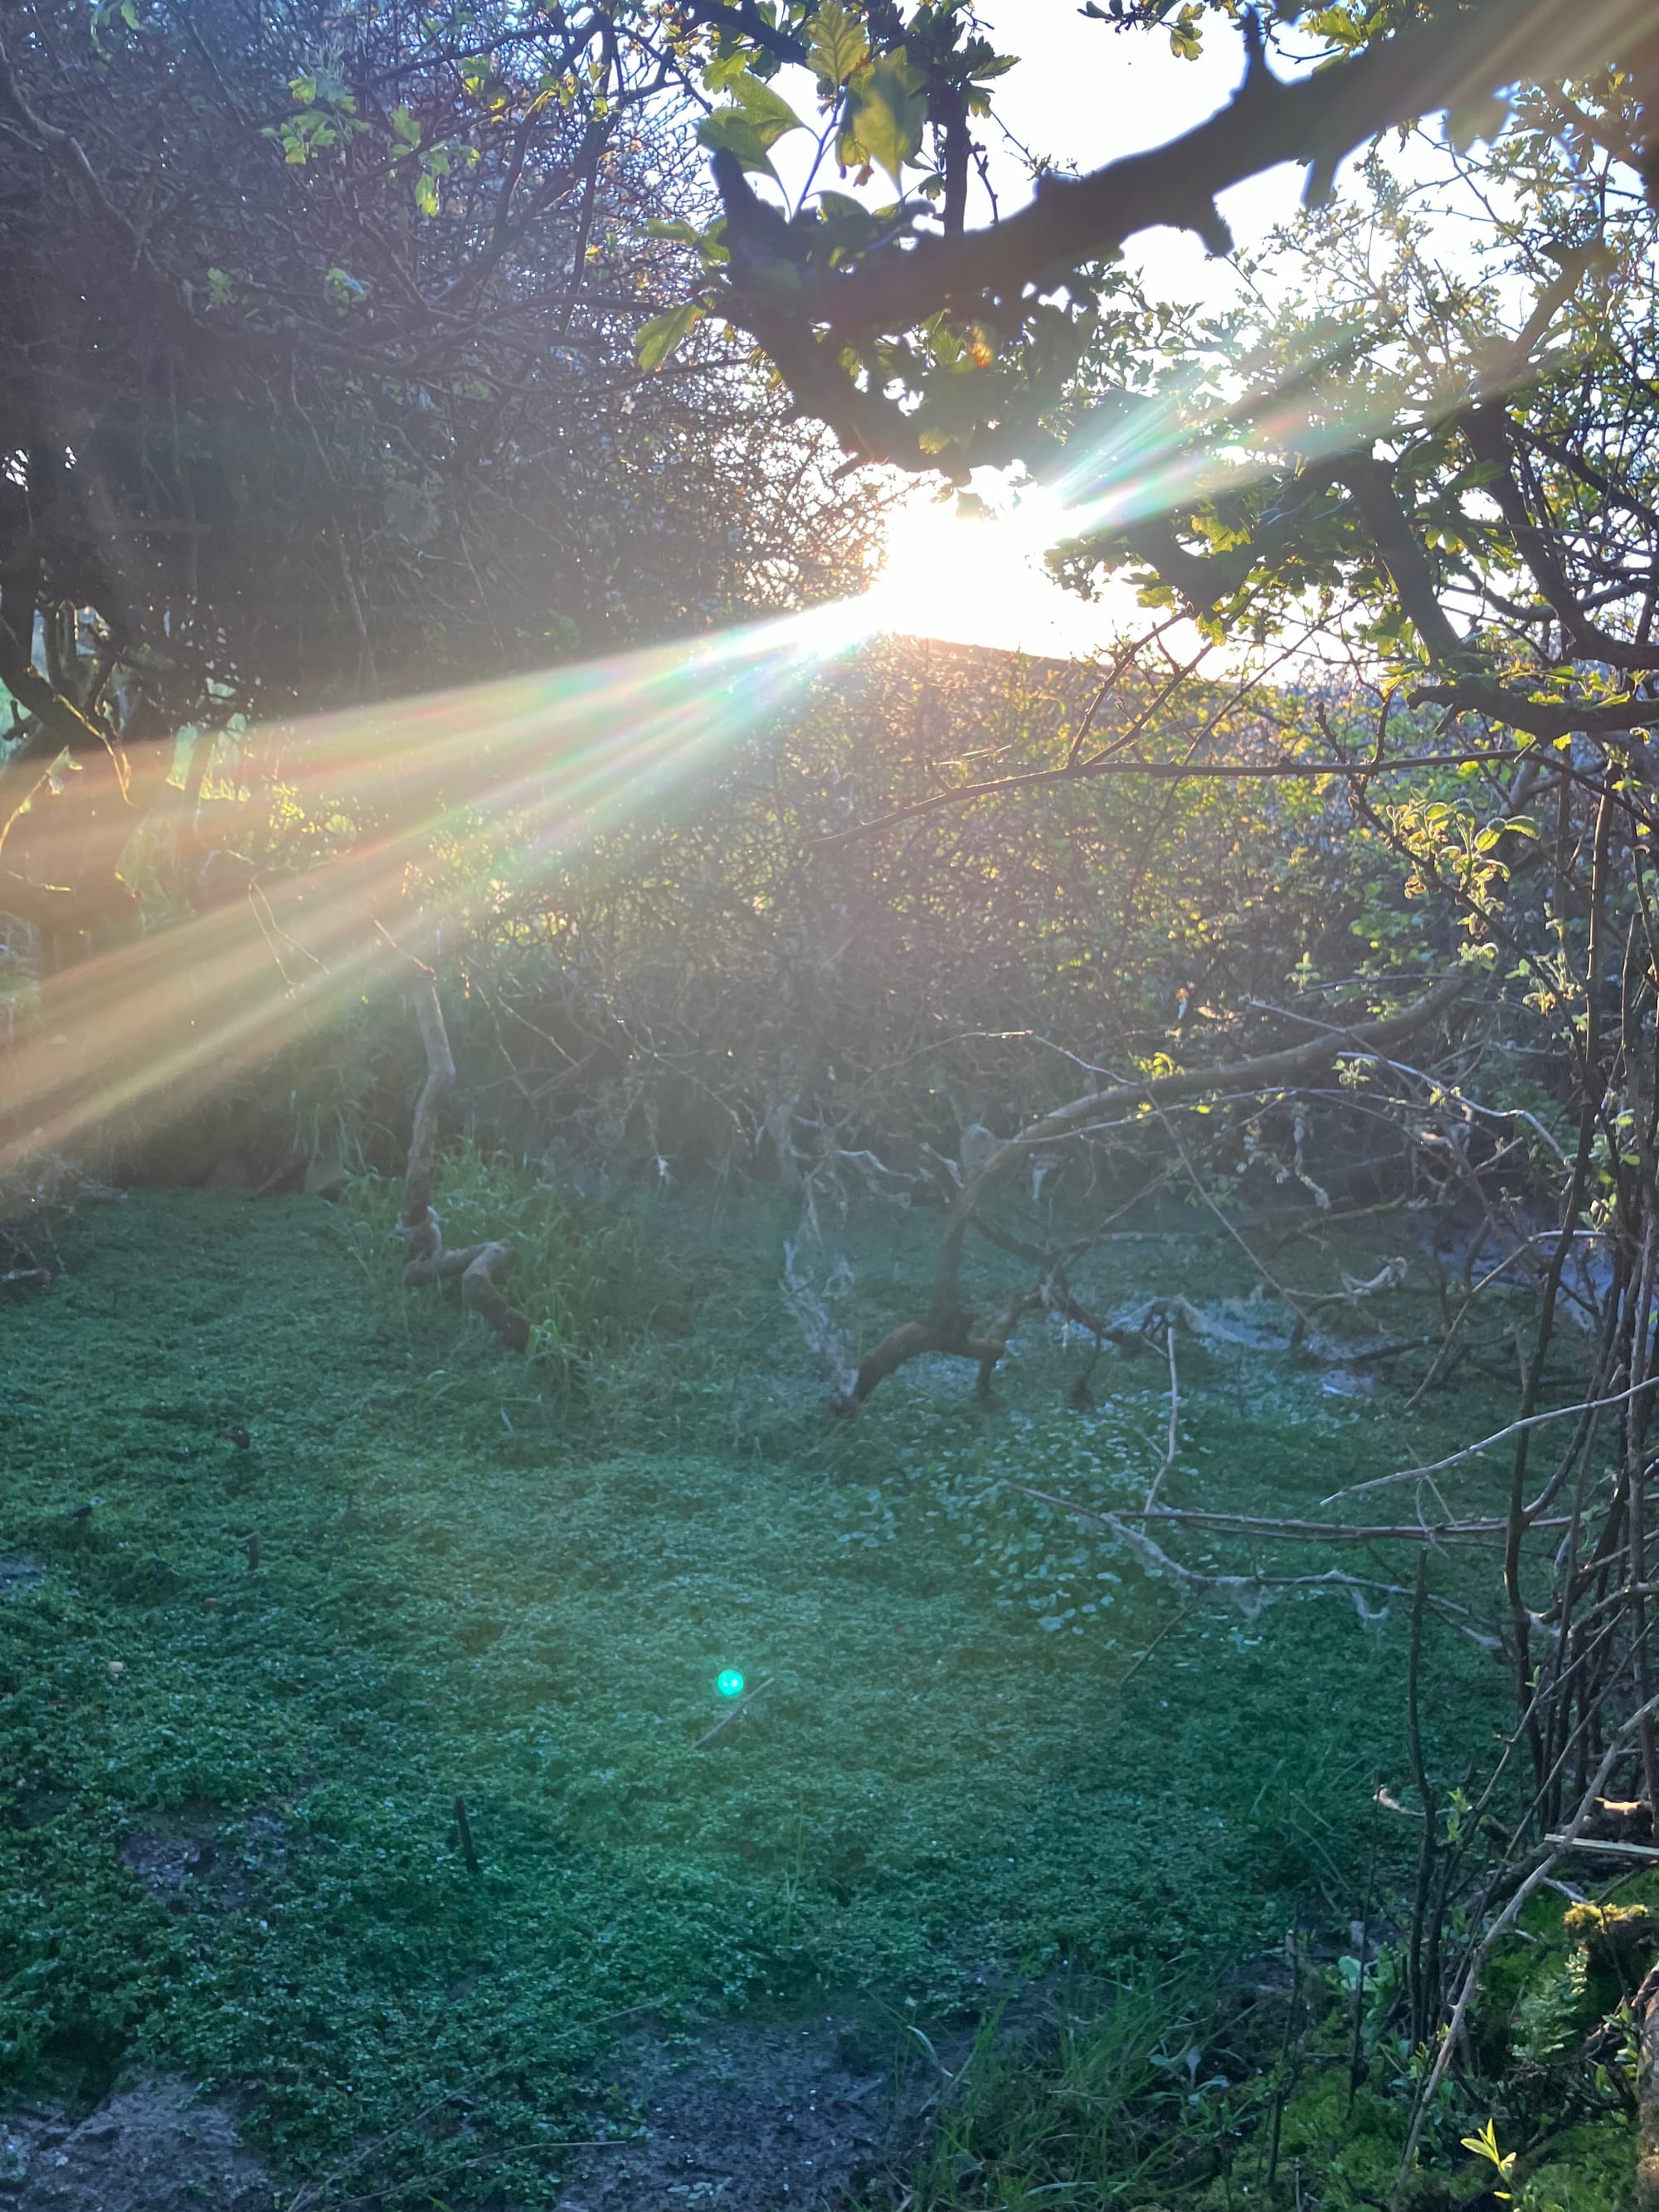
column 683, row 233
column 1475, row 119
column 723, row 72
column 839, row 45
column 664, row 335
column 886, row 112
column 772, row 115
column 319, row 85
column 1187, row 34
column 486, row 86
column 405, row 128
column 735, row 131
column 850, row 223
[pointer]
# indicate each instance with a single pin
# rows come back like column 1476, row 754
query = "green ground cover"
column 517, row 1584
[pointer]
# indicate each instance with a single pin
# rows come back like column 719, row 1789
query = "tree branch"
column 1318, row 120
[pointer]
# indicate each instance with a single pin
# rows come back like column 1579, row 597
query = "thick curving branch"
column 1456, row 61
column 1268, row 1071
column 1090, row 770
column 1488, row 434
column 950, row 1327
column 1376, row 493
column 1549, row 719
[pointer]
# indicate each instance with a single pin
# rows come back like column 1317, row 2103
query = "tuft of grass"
column 588, row 1278
column 1104, row 2102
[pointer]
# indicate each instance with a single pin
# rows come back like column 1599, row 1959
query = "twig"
column 463, row 1829
column 1563, row 1842
column 1137, row 1663
column 1173, row 1445
column 736, row 1713
column 1473, row 1451
column 1298, row 1532
column 1566, row 1840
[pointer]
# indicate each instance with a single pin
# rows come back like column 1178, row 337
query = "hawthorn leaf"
column 839, row 45
column 665, row 334
column 887, row 111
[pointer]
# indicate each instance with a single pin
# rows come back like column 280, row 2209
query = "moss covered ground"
column 229, row 1846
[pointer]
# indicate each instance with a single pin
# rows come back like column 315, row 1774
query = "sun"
column 973, row 574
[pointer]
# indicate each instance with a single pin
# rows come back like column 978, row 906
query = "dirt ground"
column 153, row 2148
column 747, row 2118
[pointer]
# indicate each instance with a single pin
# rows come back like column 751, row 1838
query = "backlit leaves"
column 325, row 114
column 839, row 45
column 665, row 334
column 751, row 125
column 886, row 112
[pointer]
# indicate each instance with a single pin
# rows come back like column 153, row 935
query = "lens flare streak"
column 155, row 1024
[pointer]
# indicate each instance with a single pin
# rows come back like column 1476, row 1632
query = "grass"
column 1109, row 2108
column 515, row 1583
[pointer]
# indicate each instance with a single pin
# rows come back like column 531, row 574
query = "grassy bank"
column 230, row 1845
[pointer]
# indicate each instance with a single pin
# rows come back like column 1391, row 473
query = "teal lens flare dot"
column 729, row 1682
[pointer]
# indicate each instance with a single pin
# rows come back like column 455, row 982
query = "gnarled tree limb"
column 1452, row 61
column 950, row 1328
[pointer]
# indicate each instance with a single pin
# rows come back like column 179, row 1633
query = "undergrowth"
column 585, row 1276
column 1292, row 2086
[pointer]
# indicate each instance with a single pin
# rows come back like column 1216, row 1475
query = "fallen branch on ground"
column 1249, row 1592
column 1291, row 1532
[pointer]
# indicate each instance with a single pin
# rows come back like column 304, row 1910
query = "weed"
column 586, row 1277
column 1100, row 2103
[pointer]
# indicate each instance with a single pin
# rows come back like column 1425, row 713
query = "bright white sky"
column 1082, row 94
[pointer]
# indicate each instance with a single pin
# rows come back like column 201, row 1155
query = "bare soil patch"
column 153, row 2148
column 749, row 2119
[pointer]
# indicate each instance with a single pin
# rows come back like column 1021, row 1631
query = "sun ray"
column 149, row 1025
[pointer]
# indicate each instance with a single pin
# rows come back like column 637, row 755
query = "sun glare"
column 492, row 784
column 980, row 578
column 489, row 786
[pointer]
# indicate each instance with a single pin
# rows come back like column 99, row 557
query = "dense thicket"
column 1433, row 465
column 317, row 384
